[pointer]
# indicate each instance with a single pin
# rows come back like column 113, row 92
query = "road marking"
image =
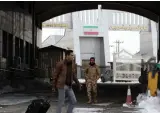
column 88, row 110
column 103, row 104
column 131, row 111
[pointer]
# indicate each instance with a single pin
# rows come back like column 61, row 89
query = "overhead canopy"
column 45, row 10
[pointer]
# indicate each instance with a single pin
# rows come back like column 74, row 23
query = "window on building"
column 4, row 40
column 21, row 50
column 27, row 52
column 10, row 50
column 30, row 55
column 17, row 47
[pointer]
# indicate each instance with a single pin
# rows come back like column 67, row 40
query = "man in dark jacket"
column 143, row 79
column 63, row 77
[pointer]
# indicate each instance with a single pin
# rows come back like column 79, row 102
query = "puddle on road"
column 88, row 110
column 103, row 104
column 131, row 111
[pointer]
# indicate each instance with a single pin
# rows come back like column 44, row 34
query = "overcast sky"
column 130, row 39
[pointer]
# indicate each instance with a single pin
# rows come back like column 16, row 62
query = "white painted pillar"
column 120, row 23
column 114, row 67
column 132, row 19
column 128, row 18
column 105, row 30
column 154, row 38
column 124, row 18
column 76, row 34
column 136, row 18
column 99, row 14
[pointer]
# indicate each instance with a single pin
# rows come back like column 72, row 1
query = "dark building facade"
column 18, row 35
column 18, row 41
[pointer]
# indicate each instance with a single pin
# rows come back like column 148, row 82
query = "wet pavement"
column 18, row 103
column 110, row 100
column 21, row 108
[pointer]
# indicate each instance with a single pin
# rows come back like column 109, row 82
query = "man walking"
column 63, row 77
column 92, row 74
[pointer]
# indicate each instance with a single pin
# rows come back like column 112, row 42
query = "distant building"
column 87, row 33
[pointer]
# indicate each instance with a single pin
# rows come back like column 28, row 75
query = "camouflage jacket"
column 92, row 73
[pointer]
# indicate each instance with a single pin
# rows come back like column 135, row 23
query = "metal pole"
column 114, row 67
column 33, row 35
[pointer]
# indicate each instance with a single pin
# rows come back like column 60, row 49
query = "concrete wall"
column 102, row 29
column 146, row 45
column 102, row 24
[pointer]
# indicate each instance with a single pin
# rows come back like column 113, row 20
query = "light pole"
column 118, row 42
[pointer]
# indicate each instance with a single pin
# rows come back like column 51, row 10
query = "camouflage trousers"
column 91, row 88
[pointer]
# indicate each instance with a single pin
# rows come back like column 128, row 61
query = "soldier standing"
column 92, row 74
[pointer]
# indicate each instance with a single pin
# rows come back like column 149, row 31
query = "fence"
column 126, row 69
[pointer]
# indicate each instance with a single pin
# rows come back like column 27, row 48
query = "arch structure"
column 40, row 11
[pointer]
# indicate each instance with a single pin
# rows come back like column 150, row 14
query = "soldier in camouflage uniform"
column 92, row 74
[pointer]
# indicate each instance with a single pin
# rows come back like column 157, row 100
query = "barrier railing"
column 126, row 69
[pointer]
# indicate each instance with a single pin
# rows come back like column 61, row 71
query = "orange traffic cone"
column 129, row 97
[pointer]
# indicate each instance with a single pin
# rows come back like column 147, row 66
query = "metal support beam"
column 33, row 36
